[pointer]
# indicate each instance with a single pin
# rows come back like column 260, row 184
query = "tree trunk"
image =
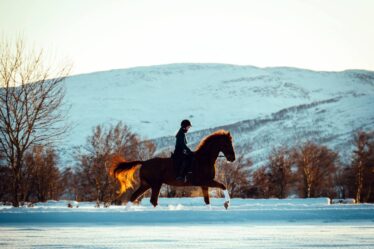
column 359, row 181
column 309, row 190
column 15, row 192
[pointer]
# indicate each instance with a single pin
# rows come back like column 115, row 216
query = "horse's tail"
column 124, row 172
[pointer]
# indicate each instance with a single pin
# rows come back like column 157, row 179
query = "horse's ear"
column 229, row 135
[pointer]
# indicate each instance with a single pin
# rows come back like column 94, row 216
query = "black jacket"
column 181, row 144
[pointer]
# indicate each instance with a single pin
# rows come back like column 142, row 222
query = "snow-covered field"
column 187, row 223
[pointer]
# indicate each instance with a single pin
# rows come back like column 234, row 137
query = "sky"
column 99, row 35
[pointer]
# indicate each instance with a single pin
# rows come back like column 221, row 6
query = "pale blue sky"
column 95, row 35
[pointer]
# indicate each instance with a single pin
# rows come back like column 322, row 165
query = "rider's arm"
column 181, row 143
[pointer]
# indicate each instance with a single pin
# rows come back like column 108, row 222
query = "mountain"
column 262, row 107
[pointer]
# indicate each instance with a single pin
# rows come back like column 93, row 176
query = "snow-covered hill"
column 262, row 107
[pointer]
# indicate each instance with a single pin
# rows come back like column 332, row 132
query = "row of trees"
column 308, row 170
column 88, row 180
column 41, row 178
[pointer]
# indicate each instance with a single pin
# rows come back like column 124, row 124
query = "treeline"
column 307, row 170
column 42, row 178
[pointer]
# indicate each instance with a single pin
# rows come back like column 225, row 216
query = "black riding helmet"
column 185, row 123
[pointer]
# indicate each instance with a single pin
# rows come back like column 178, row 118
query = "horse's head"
column 226, row 147
column 219, row 141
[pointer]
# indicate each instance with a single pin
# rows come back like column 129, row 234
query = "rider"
column 182, row 152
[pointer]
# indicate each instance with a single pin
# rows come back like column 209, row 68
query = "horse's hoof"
column 154, row 203
column 226, row 204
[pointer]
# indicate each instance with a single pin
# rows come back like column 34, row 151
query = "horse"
column 157, row 171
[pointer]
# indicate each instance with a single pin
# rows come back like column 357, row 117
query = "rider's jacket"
column 181, row 143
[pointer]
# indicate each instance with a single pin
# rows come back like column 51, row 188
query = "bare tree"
column 70, row 181
column 146, row 149
column 363, row 165
column 94, row 162
column 261, row 183
column 275, row 178
column 45, row 176
column 5, row 189
column 280, row 174
column 345, row 182
column 316, row 166
column 31, row 96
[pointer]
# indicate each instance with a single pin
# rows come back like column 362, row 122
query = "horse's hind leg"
column 143, row 187
column 117, row 200
column 206, row 195
column 155, row 192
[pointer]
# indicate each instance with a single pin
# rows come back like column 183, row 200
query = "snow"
column 229, row 236
column 188, row 223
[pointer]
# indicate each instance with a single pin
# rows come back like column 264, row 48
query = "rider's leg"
column 181, row 170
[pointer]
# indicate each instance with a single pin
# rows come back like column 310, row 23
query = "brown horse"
column 154, row 172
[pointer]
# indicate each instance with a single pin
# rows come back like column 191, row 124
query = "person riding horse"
column 154, row 172
column 182, row 153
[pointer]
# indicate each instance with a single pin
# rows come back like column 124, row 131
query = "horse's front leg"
column 215, row 184
column 155, row 193
column 206, row 196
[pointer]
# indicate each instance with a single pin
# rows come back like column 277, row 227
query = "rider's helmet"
column 185, row 123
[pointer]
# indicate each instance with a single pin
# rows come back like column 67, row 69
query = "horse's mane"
column 208, row 138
